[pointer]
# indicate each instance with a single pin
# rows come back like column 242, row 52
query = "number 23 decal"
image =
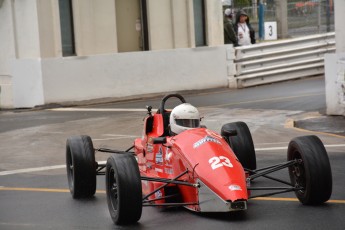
column 220, row 161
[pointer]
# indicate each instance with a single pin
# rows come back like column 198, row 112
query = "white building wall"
column 94, row 27
column 335, row 66
column 26, row 29
column 34, row 68
column 128, row 25
column 179, row 23
column 214, row 23
column 159, row 19
column 7, row 53
column 133, row 73
column 27, row 83
column 49, row 28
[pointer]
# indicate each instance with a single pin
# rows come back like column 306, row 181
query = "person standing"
column 244, row 31
column 229, row 32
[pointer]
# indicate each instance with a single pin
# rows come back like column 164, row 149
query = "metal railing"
column 282, row 60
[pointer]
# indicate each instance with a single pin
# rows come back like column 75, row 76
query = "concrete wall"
column 94, row 27
column 49, row 37
column 127, row 16
column 55, row 80
column 33, row 68
column 335, row 83
column 335, row 66
column 214, row 23
column 7, row 53
column 27, row 83
column 26, row 29
column 160, row 16
column 171, row 23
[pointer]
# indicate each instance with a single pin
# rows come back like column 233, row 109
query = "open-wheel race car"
column 199, row 169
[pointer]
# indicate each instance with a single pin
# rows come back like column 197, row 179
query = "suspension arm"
column 164, row 185
column 163, row 180
column 273, row 169
column 105, row 150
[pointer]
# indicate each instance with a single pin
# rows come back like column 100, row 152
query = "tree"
column 241, row 3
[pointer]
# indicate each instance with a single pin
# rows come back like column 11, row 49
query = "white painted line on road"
column 28, row 170
column 100, row 110
column 118, row 135
column 331, row 146
column 110, row 138
column 114, row 137
column 273, row 143
column 273, row 148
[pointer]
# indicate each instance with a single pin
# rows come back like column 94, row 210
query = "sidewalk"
column 323, row 123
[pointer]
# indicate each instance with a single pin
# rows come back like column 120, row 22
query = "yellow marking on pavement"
column 293, row 199
column 103, row 192
column 275, row 199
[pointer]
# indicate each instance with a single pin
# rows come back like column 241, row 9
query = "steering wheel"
column 162, row 106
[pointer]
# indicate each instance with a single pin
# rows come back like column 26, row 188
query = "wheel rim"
column 113, row 190
column 298, row 172
column 70, row 170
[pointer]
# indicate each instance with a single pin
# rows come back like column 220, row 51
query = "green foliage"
column 241, row 3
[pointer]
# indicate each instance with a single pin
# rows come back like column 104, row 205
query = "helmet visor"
column 191, row 123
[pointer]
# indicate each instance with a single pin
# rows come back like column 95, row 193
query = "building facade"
column 56, row 51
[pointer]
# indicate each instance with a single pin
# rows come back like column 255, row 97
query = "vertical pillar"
column 339, row 7
column 190, row 24
column 281, row 17
column 261, row 20
column 214, row 23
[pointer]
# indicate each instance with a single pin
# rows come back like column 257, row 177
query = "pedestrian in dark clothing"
column 229, row 32
column 244, row 31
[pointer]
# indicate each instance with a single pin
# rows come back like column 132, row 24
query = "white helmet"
column 184, row 117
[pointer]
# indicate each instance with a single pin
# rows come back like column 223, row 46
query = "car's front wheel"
column 81, row 166
column 123, row 188
column 241, row 144
column 312, row 174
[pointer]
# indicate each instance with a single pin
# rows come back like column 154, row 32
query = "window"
column 67, row 32
column 199, row 22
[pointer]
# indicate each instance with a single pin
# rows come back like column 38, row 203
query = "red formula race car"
column 199, row 169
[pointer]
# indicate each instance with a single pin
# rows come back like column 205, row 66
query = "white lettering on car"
column 220, row 161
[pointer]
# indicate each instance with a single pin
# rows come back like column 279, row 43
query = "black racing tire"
column 81, row 166
column 123, row 188
column 313, row 173
column 241, row 144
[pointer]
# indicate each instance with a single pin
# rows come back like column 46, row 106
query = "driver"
column 184, row 117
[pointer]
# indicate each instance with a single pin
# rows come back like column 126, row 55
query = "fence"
column 282, row 60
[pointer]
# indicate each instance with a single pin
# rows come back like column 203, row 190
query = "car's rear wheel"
column 81, row 166
column 241, row 144
column 313, row 172
column 123, row 188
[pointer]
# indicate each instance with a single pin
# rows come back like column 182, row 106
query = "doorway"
column 131, row 24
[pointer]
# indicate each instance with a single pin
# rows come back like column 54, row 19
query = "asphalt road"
column 33, row 183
